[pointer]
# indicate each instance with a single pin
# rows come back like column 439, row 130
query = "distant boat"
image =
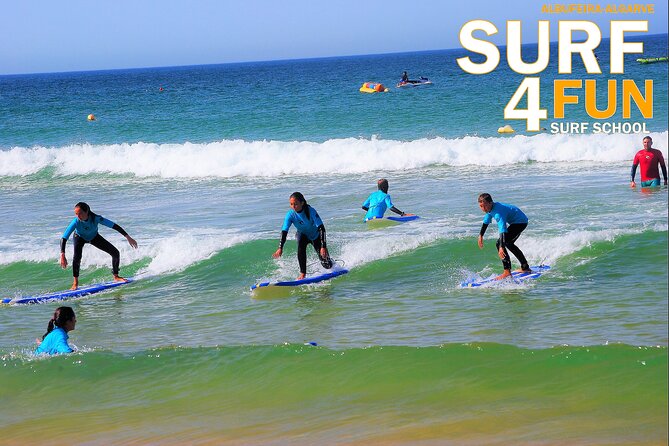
column 415, row 82
column 653, row 59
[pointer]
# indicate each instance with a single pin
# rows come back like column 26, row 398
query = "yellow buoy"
column 91, row 117
column 506, row 129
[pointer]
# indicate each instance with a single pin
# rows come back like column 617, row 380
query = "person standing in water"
column 377, row 202
column 310, row 230
column 649, row 159
column 54, row 341
column 85, row 228
column 504, row 214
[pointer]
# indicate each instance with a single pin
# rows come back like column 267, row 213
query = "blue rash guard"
column 54, row 343
column 377, row 204
column 504, row 214
column 87, row 229
column 308, row 227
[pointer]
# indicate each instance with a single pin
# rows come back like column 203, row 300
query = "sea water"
column 200, row 174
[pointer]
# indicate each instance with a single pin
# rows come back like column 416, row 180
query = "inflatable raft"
column 373, row 87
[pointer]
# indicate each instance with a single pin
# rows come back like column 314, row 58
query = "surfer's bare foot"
column 301, row 276
column 504, row 275
column 119, row 279
column 520, row 270
column 75, row 284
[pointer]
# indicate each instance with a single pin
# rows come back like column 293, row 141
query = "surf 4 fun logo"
column 565, row 91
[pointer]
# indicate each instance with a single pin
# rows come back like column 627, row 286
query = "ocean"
column 200, row 173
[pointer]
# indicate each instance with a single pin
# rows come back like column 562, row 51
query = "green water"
column 460, row 394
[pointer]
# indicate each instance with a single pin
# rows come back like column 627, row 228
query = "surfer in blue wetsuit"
column 54, row 341
column 504, row 214
column 85, row 228
column 377, row 202
column 310, row 230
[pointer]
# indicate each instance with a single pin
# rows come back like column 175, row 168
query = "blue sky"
column 72, row 35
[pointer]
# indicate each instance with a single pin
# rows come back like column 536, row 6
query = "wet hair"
column 305, row 207
column 83, row 206
column 648, row 138
column 60, row 317
column 485, row 197
column 383, row 185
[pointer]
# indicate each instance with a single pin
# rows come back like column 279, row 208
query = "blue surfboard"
column 305, row 281
column 389, row 221
column 518, row 277
column 63, row 295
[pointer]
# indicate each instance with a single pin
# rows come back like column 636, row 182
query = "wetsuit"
column 376, row 205
column 507, row 214
column 87, row 232
column 649, row 160
column 54, row 343
column 310, row 230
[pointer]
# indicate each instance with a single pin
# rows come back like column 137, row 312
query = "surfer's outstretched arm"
column 278, row 252
column 121, row 231
column 397, row 211
column 321, row 236
column 481, row 233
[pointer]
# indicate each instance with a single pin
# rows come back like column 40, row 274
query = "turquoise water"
column 305, row 100
column 200, row 173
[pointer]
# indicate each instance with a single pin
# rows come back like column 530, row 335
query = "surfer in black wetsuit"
column 405, row 77
column 511, row 222
column 310, row 231
column 85, row 228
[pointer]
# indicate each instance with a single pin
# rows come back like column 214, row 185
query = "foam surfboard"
column 390, row 220
column 537, row 271
column 306, row 281
column 63, row 295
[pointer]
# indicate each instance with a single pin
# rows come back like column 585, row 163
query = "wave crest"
column 237, row 158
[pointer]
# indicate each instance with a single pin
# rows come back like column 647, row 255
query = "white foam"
column 236, row 158
column 548, row 250
column 188, row 248
column 38, row 252
column 371, row 248
column 172, row 254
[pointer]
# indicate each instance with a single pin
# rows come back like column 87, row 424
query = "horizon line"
column 97, row 70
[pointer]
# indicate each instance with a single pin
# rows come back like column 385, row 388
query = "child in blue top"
column 54, row 341
column 378, row 202
column 504, row 214
column 310, row 230
column 85, row 228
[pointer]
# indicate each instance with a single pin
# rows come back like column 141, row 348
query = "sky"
column 39, row 36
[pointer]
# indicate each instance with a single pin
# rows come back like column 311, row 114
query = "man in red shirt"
column 649, row 159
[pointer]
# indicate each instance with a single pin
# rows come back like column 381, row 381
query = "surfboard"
column 389, row 221
column 518, row 277
column 306, row 281
column 63, row 295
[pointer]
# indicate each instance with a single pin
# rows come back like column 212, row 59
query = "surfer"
column 405, row 77
column 649, row 159
column 377, row 202
column 54, row 341
column 85, row 228
column 310, row 230
column 517, row 222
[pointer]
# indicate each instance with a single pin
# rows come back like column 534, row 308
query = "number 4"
column 533, row 114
